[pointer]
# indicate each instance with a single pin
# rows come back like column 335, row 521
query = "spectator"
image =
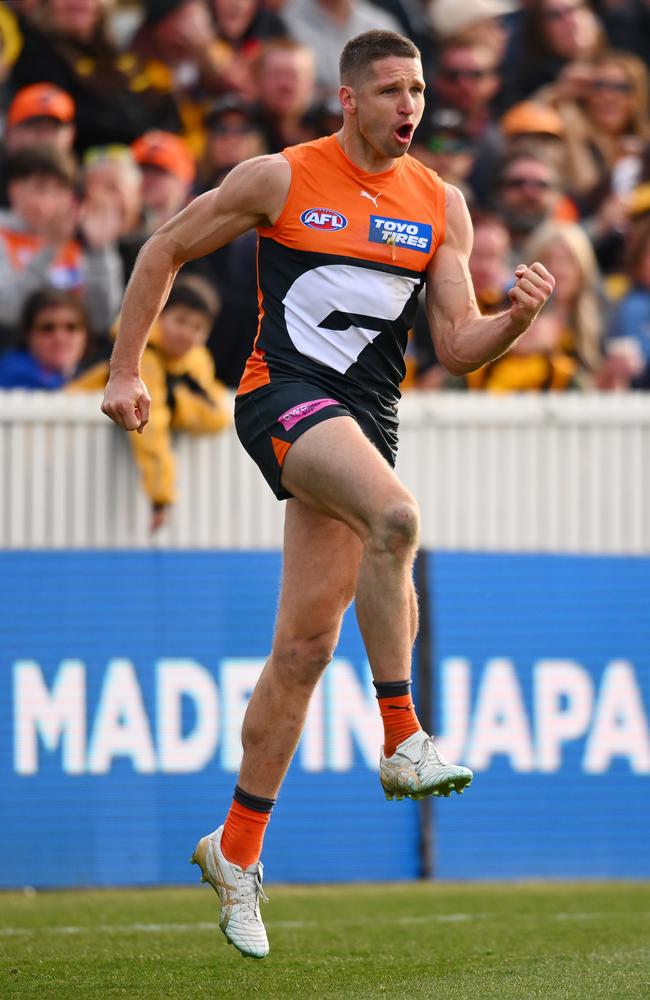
column 562, row 349
column 233, row 135
column 113, row 180
column 53, row 341
column 168, row 173
column 606, row 119
column 67, row 43
column 527, row 127
column 489, row 263
column 185, row 395
column 38, row 242
column 527, row 196
column 245, row 24
column 324, row 26
column 442, row 144
column 285, row 76
column 531, row 126
column 628, row 341
column 179, row 42
column 557, row 36
column 40, row 115
column 467, row 81
column 474, row 22
column 578, row 306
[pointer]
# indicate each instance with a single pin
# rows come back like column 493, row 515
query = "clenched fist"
column 532, row 288
column 126, row 400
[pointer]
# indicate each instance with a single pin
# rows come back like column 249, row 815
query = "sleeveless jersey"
column 340, row 272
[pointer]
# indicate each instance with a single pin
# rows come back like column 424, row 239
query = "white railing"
column 546, row 473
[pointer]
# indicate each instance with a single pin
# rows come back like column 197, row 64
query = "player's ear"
column 347, row 98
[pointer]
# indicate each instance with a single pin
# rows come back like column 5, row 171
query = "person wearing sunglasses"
column 606, row 119
column 467, row 81
column 527, row 195
column 54, row 340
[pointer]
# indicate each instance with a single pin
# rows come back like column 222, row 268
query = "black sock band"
column 254, row 802
column 392, row 689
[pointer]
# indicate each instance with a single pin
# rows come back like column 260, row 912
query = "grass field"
column 447, row 942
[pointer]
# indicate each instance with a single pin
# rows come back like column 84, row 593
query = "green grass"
column 444, row 942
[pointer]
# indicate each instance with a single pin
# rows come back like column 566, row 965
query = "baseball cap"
column 527, row 116
column 167, row 152
column 451, row 17
column 41, row 100
column 227, row 105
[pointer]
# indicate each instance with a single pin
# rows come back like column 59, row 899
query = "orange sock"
column 400, row 721
column 244, row 829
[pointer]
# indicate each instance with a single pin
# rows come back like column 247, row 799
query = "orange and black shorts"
column 268, row 420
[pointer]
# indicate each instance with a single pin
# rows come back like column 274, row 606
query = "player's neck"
column 362, row 155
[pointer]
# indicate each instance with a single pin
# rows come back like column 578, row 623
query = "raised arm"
column 253, row 194
column 465, row 340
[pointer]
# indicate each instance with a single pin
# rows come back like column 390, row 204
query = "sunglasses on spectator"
column 557, row 13
column 466, row 74
column 613, row 86
column 531, row 182
column 52, row 327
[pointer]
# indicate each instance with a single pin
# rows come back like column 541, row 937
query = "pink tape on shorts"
column 302, row 410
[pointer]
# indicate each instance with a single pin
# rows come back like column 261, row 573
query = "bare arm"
column 252, row 195
column 464, row 339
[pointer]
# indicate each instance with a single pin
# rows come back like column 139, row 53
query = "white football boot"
column 417, row 769
column 239, row 891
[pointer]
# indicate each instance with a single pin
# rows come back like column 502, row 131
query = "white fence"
column 527, row 473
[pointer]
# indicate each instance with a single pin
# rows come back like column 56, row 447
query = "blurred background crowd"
column 115, row 114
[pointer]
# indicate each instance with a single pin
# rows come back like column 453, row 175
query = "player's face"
column 389, row 105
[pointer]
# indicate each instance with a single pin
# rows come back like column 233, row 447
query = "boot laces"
column 432, row 752
column 250, row 891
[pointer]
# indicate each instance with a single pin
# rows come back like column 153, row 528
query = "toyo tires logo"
column 324, row 219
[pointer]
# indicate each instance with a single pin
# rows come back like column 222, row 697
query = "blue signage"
column 123, row 683
column 543, row 688
column 125, row 677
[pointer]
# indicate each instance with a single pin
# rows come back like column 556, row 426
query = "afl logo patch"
column 324, row 219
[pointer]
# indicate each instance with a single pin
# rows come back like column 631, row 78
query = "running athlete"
column 350, row 227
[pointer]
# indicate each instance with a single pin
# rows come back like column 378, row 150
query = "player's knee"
column 300, row 660
column 397, row 528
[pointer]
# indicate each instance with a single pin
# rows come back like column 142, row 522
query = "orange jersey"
column 340, row 272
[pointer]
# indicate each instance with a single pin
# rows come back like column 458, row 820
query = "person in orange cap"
column 168, row 173
column 40, row 114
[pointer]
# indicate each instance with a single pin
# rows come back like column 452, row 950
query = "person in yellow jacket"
column 178, row 371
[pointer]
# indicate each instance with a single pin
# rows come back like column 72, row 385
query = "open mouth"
column 404, row 133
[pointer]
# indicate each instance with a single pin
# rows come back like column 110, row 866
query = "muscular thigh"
column 319, row 573
column 335, row 469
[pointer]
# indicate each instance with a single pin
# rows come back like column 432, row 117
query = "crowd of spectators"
column 116, row 113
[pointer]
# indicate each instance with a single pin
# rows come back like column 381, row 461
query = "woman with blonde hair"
column 603, row 105
column 577, row 303
column 562, row 348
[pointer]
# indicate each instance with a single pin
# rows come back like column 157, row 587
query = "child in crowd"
column 178, row 371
